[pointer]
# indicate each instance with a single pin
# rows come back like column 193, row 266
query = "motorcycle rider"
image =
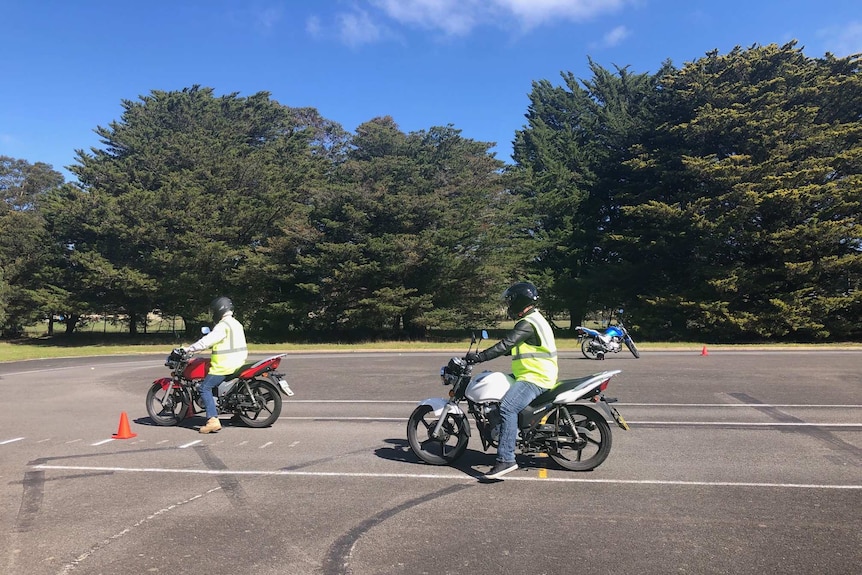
column 533, row 349
column 229, row 352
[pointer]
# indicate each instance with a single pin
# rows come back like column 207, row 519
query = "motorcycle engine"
column 491, row 411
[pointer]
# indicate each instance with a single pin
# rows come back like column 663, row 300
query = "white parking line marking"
column 705, row 423
column 267, row 444
column 103, row 442
column 294, row 444
column 456, row 477
column 195, row 442
column 11, row 440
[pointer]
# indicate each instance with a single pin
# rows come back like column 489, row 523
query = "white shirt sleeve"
column 218, row 333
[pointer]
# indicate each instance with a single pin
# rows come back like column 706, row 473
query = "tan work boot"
column 213, row 424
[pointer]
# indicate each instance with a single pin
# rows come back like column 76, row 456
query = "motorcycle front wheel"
column 262, row 408
column 588, row 350
column 630, row 343
column 589, row 448
column 166, row 406
column 441, row 451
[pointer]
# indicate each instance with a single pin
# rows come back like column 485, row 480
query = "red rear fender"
column 261, row 366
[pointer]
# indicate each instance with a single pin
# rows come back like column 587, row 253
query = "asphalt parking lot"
column 737, row 462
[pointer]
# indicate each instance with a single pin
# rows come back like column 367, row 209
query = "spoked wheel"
column 443, row 450
column 586, row 450
column 588, row 350
column 630, row 343
column 264, row 409
column 166, row 406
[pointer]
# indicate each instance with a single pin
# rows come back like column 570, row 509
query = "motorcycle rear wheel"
column 588, row 350
column 441, row 451
column 268, row 408
column 174, row 408
column 593, row 446
column 630, row 343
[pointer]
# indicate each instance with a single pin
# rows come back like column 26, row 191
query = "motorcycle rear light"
column 604, row 384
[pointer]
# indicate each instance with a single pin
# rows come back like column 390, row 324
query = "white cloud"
column 459, row 17
column 533, row 13
column 615, row 36
column 357, row 28
column 843, row 40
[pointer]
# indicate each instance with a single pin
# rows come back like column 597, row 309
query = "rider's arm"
column 522, row 331
column 218, row 333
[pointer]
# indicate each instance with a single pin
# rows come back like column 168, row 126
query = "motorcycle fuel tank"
column 489, row 386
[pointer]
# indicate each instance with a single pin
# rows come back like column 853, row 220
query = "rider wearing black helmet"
column 534, row 366
column 229, row 351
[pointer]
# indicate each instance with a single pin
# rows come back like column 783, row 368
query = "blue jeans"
column 517, row 398
column 207, row 385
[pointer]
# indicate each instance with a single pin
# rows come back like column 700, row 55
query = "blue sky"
column 69, row 64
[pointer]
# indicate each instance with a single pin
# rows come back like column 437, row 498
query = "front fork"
column 435, row 433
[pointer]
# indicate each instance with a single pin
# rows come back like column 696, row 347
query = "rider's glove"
column 473, row 358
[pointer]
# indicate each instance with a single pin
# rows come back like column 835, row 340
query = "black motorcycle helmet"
column 520, row 298
column 219, row 307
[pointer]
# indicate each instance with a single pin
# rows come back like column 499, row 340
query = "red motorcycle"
column 252, row 393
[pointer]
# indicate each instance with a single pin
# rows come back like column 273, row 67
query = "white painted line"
column 294, row 444
column 73, row 441
column 11, row 440
column 103, row 442
column 456, row 477
column 195, row 442
column 690, row 423
column 267, row 444
column 43, row 440
column 618, row 403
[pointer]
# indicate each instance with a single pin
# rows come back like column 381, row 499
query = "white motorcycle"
column 568, row 422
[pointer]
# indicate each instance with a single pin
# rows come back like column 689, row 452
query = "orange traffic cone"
column 703, row 351
column 124, row 432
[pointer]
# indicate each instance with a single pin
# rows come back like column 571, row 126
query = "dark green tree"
column 185, row 197
column 752, row 227
column 26, row 254
column 570, row 169
column 410, row 234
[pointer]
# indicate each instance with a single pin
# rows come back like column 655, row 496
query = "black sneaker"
column 500, row 469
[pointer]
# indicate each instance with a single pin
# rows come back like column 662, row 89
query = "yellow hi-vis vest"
column 537, row 364
column 229, row 353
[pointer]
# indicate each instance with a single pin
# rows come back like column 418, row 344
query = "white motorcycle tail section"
column 592, row 382
column 489, row 386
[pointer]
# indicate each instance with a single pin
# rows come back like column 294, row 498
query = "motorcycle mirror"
column 205, row 330
column 484, row 334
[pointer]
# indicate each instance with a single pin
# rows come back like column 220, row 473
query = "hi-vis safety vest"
column 537, row 364
column 230, row 353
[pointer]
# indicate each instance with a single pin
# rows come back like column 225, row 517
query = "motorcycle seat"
column 562, row 386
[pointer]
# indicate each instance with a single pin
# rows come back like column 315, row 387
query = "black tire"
column 593, row 446
column 264, row 408
column 437, row 451
column 174, row 408
column 588, row 351
column 630, row 343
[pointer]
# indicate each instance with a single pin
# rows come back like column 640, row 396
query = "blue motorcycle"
column 595, row 344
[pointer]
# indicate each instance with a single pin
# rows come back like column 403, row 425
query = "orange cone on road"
column 703, row 351
column 124, row 432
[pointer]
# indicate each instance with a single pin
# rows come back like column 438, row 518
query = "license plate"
column 285, row 388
